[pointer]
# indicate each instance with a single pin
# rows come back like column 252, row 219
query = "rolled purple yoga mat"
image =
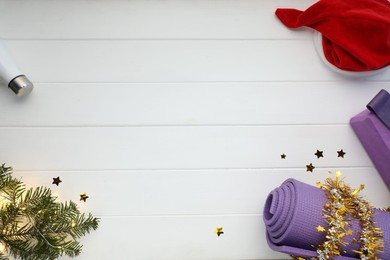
column 292, row 213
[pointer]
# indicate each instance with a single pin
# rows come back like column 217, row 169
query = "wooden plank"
column 172, row 19
column 161, row 112
column 125, row 104
column 106, row 148
column 118, row 61
column 190, row 192
column 181, row 238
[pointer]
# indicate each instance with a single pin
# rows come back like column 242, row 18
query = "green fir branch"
column 34, row 226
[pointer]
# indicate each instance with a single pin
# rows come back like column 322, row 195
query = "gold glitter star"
column 218, row 231
column 319, row 154
column 283, row 156
column 341, row 153
column 320, row 228
column 310, row 167
column 83, row 197
column 56, row 181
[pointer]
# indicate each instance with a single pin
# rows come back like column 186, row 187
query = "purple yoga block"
column 375, row 138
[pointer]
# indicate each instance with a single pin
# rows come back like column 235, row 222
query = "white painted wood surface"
column 172, row 115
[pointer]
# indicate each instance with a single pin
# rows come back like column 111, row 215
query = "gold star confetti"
column 83, row 197
column 320, row 228
column 319, row 154
column 310, row 167
column 283, row 156
column 56, row 181
column 218, row 231
column 341, row 153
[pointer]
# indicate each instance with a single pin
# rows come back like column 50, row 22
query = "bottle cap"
column 21, row 85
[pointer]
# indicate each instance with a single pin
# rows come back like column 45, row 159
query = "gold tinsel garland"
column 343, row 204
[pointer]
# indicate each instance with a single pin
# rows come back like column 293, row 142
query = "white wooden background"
column 172, row 115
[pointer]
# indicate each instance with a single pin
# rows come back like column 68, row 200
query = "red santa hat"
column 355, row 33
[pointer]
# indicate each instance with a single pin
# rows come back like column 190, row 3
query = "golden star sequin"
column 56, row 181
column 83, row 197
column 319, row 154
column 310, row 167
column 341, row 153
column 218, row 231
column 320, row 228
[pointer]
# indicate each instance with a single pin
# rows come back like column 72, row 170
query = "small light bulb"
column 2, row 247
